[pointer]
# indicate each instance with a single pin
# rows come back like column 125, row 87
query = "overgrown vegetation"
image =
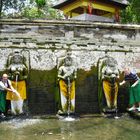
column 30, row 9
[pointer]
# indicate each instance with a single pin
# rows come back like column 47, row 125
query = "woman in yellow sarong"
column 17, row 74
column 67, row 76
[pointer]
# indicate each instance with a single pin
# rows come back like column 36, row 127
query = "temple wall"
column 44, row 41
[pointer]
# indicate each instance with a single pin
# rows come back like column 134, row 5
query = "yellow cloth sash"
column 64, row 89
column 67, row 95
column 111, row 93
column 20, row 86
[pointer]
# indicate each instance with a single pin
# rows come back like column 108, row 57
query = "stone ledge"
column 68, row 23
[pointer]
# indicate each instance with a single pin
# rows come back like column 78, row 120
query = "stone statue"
column 18, row 72
column 109, row 74
column 66, row 76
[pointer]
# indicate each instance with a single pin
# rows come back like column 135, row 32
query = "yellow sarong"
column 67, row 93
column 20, row 86
column 111, row 93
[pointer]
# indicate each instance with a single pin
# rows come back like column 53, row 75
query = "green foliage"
column 7, row 5
column 40, row 11
column 131, row 13
column 32, row 13
column 30, row 9
column 40, row 3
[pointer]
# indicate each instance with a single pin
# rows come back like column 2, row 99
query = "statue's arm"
column 60, row 76
column 103, row 73
column 25, row 72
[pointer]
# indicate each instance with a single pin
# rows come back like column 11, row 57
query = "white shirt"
column 3, row 86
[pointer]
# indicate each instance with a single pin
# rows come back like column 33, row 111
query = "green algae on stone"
column 82, row 75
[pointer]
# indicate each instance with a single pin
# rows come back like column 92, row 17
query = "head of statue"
column 111, row 62
column 68, row 61
column 17, row 58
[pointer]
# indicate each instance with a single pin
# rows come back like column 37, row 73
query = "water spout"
column 16, row 87
column 69, row 95
column 69, row 119
column 116, row 115
column 16, row 81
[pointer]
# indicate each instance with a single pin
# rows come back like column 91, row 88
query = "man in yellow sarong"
column 66, row 77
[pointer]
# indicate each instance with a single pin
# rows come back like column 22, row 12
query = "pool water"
column 82, row 128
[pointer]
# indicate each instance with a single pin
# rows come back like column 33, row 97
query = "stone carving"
column 66, row 79
column 108, row 74
column 18, row 72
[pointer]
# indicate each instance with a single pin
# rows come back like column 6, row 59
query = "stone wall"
column 44, row 41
